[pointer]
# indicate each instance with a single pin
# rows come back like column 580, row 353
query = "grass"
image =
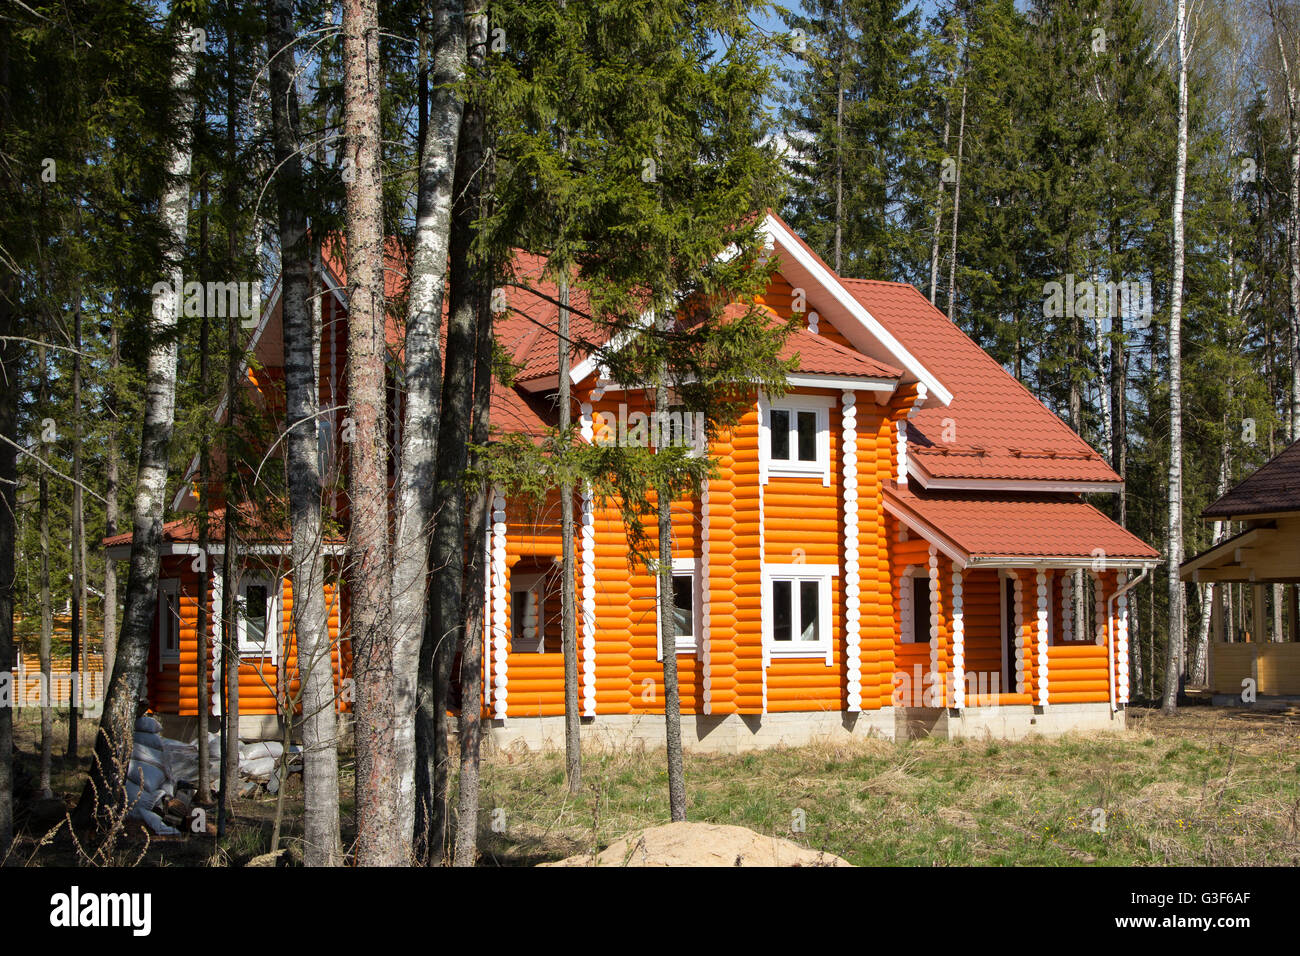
column 1206, row 787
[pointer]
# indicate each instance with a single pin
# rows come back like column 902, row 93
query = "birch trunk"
column 1173, row 662
column 447, row 623
column 378, row 776
column 956, row 208
column 113, row 743
column 111, row 484
column 839, row 147
column 321, row 840
column 938, row 200
column 423, row 374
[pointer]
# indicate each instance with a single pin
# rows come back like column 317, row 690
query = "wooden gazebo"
column 1266, row 551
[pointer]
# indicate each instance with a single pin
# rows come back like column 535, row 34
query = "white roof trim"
column 886, row 385
column 590, row 364
column 789, row 245
column 958, row 558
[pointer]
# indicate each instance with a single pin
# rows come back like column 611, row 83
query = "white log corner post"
column 1042, row 637
column 1018, row 678
column 588, row 603
column 901, row 438
column 1098, row 609
column 958, row 643
column 936, row 689
column 1121, row 636
column 500, row 595
column 764, row 603
column 702, row 646
column 852, row 602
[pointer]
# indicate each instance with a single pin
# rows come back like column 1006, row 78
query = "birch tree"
column 1174, row 654
column 470, row 286
column 321, row 840
column 116, row 729
column 423, row 381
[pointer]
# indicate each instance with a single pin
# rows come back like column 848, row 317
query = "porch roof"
column 1273, row 489
column 1016, row 530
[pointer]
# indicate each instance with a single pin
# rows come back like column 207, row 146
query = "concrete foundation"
column 734, row 733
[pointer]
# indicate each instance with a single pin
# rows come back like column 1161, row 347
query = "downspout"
column 1110, row 631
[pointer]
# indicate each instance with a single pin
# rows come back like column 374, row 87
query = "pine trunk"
column 423, row 377
column 321, row 840
column 76, row 663
column 471, row 656
column 47, row 615
column 378, row 776
column 568, row 583
column 9, row 365
column 113, row 743
column 667, row 625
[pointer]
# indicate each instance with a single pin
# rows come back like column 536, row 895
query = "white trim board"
column 789, row 245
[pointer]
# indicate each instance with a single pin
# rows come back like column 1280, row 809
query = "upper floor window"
column 795, row 436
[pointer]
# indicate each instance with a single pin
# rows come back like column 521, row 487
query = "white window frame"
column 252, row 649
column 906, row 609
column 529, row 583
column 819, row 404
column 168, row 588
column 798, row 573
column 681, row 567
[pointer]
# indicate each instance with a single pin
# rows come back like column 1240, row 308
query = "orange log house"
column 900, row 540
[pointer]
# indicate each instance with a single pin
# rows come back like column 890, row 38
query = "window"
column 797, row 610
column 796, row 439
column 169, row 620
column 528, row 613
column 914, row 606
column 685, row 618
column 257, row 623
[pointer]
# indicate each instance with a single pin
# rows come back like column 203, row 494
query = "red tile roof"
column 1019, row 526
column 1002, row 430
column 1274, row 487
column 818, row 355
column 254, row 525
